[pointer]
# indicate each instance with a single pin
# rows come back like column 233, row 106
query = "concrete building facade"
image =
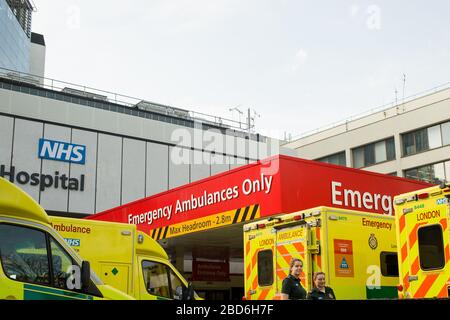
column 411, row 140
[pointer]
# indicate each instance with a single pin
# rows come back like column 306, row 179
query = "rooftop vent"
column 85, row 94
column 162, row 109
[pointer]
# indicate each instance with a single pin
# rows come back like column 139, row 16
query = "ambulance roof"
column 312, row 212
column 412, row 193
column 150, row 247
column 16, row 203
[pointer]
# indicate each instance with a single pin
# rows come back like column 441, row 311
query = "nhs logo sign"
column 62, row 151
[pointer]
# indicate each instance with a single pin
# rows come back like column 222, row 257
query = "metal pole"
column 249, row 121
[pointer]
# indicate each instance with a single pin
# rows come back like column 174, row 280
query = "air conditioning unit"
column 85, row 94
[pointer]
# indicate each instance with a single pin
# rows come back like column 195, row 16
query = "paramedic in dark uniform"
column 320, row 291
column 292, row 288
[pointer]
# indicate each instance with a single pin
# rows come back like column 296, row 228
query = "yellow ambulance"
column 423, row 242
column 356, row 250
column 125, row 258
column 35, row 261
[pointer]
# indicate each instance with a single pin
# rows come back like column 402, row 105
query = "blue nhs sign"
column 62, row 151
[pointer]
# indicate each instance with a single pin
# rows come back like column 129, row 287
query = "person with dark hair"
column 320, row 291
column 292, row 288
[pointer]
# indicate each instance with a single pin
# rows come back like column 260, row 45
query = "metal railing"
column 373, row 111
column 123, row 100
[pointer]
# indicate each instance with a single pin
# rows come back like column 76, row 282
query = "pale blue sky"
column 300, row 64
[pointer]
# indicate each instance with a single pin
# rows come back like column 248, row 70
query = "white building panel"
column 157, row 168
column 55, row 197
column 6, row 140
column 133, row 169
column 200, row 165
column 109, row 172
column 84, row 201
column 25, row 152
column 179, row 166
column 219, row 163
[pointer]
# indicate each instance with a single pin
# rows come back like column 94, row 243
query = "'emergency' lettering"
column 355, row 199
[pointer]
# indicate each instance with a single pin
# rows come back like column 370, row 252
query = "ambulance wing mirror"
column 85, row 274
column 188, row 293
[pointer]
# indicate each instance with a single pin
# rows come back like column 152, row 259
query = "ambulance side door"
column 35, row 266
column 157, row 281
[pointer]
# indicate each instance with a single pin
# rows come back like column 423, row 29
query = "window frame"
column 443, row 162
column 272, row 278
column 168, row 269
column 362, row 148
column 325, row 159
column 50, row 271
column 383, row 266
column 402, row 139
column 92, row 289
column 441, row 243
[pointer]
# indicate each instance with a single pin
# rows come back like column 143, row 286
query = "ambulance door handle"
column 413, row 278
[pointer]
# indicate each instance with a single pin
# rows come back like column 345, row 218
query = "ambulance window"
column 176, row 285
column 265, row 268
column 61, row 262
column 23, row 253
column 431, row 247
column 389, row 264
column 156, row 279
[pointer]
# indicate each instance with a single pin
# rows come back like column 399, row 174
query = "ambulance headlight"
column 140, row 238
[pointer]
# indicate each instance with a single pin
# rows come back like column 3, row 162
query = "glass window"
column 421, row 140
column 416, row 141
column 338, row 159
column 411, row 174
column 156, row 279
column 445, row 133
column 408, row 144
column 390, row 149
column 23, row 253
column 176, row 285
column 434, row 137
column 431, row 247
column 389, row 264
column 369, row 154
column 434, row 173
column 380, row 152
column 438, row 173
column 265, row 268
column 61, row 263
column 374, row 153
column 358, row 158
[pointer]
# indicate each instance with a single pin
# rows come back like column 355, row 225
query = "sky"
column 298, row 65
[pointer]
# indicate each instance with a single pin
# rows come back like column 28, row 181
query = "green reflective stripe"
column 38, row 293
column 384, row 292
column 34, row 295
column 162, row 298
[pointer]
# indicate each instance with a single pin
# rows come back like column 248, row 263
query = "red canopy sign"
column 275, row 185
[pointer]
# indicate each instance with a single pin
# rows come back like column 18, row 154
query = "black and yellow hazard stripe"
column 159, row 233
column 222, row 219
column 242, row 214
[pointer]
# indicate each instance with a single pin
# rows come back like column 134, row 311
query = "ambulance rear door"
column 259, row 272
column 427, row 246
column 292, row 241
